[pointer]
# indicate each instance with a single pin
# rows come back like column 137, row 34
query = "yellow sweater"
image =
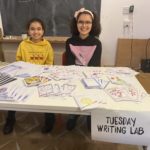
column 36, row 53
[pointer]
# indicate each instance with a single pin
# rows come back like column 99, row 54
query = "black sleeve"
column 70, row 58
column 96, row 58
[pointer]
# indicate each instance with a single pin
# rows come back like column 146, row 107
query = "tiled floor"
column 27, row 135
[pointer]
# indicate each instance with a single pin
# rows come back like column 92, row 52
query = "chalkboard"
column 56, row 14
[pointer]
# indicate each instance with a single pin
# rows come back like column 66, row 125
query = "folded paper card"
column 35, row 80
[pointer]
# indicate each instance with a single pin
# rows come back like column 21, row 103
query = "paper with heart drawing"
column 124, row 93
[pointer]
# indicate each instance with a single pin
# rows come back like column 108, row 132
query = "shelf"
column 17, row 39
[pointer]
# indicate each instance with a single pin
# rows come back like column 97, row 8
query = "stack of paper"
column 5, row 78
column 14, row 92
column 35, row 80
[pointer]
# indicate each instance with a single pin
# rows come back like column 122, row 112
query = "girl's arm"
column 18, row 54
column 70, row 58
column 96, row 58
column 50, row 58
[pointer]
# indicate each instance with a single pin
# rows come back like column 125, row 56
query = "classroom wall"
column 112, row 25
column 112, row 19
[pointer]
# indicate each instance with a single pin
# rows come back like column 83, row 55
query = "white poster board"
column 121, row 126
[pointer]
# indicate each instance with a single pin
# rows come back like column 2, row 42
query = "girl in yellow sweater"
column 36, row 50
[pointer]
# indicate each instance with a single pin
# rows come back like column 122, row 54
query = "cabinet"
column 131, row 51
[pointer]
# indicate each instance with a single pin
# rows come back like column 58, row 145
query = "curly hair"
column 96, row 27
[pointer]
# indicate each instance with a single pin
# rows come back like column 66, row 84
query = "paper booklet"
column 35, row 80
column 94, row 83
column 88, row 100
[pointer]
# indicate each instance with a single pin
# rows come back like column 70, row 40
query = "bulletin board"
column 56, row 14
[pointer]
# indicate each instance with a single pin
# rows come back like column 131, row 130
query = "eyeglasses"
column 84, row 22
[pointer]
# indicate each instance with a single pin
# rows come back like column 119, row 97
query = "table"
column 66, row 104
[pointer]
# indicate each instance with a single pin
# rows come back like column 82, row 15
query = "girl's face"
column 35, row 31
column 84, row 25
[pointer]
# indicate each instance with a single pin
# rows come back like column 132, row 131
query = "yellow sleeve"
column 50, row 57
column 18, row 54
